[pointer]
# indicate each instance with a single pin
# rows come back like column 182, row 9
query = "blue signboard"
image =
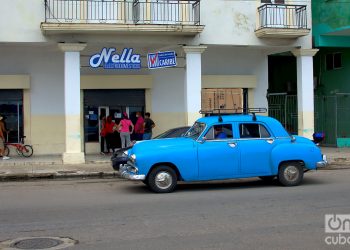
column 164, row 59
column 110, row 59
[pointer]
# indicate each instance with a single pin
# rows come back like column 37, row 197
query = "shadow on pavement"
column 238, row 184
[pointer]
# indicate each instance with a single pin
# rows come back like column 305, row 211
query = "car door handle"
column 270, row 141
column 232, row 144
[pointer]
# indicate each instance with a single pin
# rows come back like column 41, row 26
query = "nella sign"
column 111, row 59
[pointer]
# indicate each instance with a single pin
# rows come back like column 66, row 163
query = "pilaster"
column 193, row 82
column 73, row 153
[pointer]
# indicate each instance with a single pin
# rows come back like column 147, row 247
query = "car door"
column 255, row 144
column 218, row 157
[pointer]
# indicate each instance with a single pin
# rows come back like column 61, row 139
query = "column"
column 305, row 91
column 73, row 153
column 193, row 82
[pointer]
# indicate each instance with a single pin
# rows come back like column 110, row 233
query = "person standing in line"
column 139, row 127
column 103, row 134
column 109, row 129
column 148, row 125
column 2, row 139
column 126, row 128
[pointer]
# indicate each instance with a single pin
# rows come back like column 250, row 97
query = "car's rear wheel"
column 290, row 174
column 162, row 179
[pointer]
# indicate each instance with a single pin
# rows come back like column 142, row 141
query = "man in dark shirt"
column 148, row 125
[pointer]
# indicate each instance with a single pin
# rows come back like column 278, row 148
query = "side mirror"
column 292, row 138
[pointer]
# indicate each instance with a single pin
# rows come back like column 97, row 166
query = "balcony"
column 173, row 17
column 282, row 21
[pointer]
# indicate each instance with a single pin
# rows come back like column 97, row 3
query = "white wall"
column 226, row 22
column 227, row 60
column 233, row 22
column 168, row 90
column 44, row 64
column 261, row 71
column 20, row 20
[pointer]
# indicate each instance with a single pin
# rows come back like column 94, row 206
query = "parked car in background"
column 220, row 147
column 120, row 158
column 174, row 132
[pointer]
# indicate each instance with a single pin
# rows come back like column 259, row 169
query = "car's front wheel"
column 162, row 179
column 290, row 174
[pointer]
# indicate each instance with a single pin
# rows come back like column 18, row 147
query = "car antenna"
column 254, row 116
column 220, row 117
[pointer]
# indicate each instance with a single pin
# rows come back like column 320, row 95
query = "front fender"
column 310, row 154
column 183, row 157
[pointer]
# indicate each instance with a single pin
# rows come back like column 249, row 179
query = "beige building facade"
column 54, row 93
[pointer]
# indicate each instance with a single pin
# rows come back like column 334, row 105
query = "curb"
column 47, row 163
column 57, row 175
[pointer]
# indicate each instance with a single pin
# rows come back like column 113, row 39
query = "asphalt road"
column 241, row 214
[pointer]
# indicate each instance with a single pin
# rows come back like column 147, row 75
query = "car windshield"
column 195, row 131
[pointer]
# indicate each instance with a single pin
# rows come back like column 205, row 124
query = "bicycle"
column 21, row 148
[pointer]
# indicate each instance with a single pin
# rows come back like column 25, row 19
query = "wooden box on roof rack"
column 221, row 99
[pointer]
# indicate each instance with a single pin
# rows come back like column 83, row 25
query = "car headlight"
column 133, row 157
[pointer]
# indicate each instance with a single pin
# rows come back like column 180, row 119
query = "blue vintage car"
column 220, row 147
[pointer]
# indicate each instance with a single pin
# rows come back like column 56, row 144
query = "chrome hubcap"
column 291, row 173
column 163, row 180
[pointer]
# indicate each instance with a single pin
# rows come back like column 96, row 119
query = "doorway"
column 11, row 108
column 104, row 103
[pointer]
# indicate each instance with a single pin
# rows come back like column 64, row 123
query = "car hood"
column 165, row 144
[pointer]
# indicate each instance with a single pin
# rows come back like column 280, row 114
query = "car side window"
column 253, row 130
column 219, row 132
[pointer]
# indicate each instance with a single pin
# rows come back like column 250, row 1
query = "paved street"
column 242, row 214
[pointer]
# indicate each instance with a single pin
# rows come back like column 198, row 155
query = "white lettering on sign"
column 164, row 59
column 110, row 59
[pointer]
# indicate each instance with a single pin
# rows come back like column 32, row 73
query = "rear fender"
column 308, row 154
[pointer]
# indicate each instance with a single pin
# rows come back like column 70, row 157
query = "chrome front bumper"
column 130, row 172
column 323, row 163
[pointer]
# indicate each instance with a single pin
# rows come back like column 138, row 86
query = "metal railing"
column 331, row 114
column 177, row 12
column 283, row 16
column 283, row 107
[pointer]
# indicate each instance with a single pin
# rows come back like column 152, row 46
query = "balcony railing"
column 168, row 12
column 281, row 16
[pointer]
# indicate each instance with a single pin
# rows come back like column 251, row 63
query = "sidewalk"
column 51, row 166
column 99, row 166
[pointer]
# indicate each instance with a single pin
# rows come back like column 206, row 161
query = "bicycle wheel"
column 19, row 151
column 27, row 151
column 6, row 151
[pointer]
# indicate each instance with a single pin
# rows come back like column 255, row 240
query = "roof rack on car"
column 234, row 111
